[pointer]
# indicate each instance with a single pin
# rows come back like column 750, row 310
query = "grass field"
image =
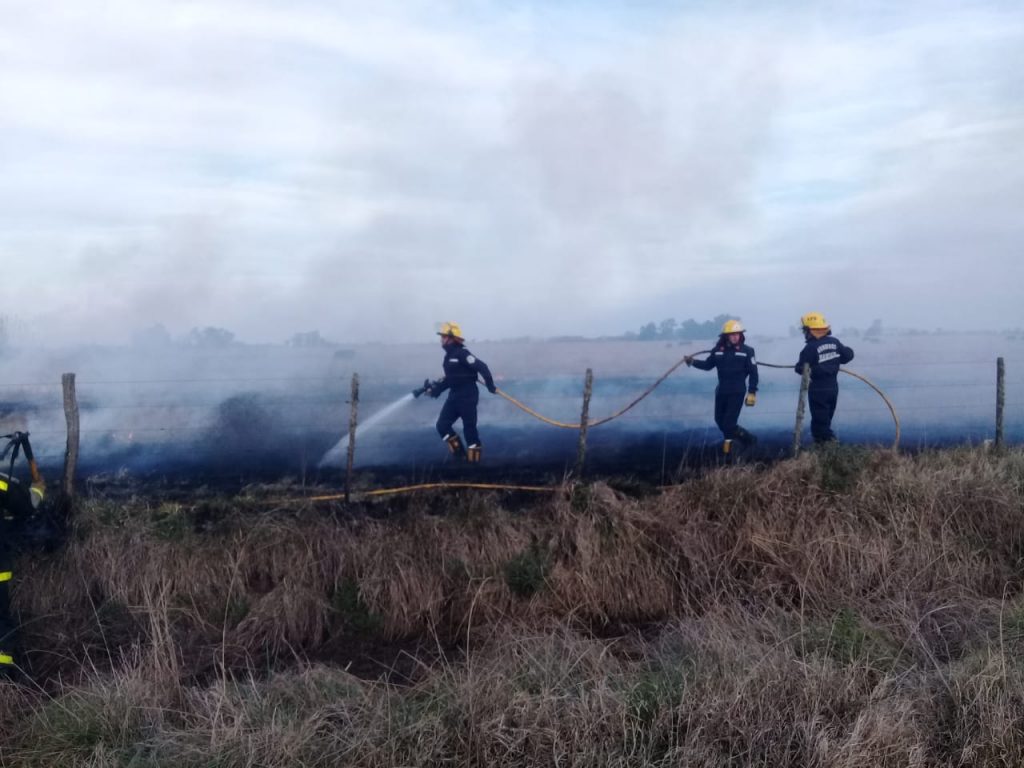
column 846, row 608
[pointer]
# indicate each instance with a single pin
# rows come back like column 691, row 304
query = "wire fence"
column 312, row 412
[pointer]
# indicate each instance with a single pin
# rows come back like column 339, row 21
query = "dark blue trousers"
column 727, row 412
column 460, row 405
column 822, row 403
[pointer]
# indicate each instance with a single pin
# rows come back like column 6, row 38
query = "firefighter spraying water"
column 461, row 370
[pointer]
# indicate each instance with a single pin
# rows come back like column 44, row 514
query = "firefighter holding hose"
column 737, row 382
column 824, row 353
column 461, row 369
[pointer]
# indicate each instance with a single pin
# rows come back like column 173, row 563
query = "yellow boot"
column 455, row 446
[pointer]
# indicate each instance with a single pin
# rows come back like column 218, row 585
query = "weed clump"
column 527, row 572
column 581, row 497
column 352, row 611
column 841, row 466
column 847, row 639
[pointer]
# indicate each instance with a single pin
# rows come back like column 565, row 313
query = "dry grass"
column 842, row 609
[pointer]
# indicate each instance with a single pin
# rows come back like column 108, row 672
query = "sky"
column 524, row 168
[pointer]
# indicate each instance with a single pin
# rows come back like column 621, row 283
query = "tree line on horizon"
column 692, row 330
column 688, row 330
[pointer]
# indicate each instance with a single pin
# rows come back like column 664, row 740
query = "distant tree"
column 309, row 339
column 648, row 332
column 716, row 324
column 709, row 329
column 210, row 338
column 874, row 330
column 690, row 329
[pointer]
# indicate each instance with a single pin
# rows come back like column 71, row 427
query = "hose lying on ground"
column 420, row 487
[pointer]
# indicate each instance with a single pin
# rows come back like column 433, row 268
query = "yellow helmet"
column 815, row 321
column 733, row 326
column 451, row 329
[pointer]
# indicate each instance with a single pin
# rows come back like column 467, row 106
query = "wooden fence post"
column 805, row 382
column 67, row 485
column 353, row 422
column 1000, row 399
column 581, row 447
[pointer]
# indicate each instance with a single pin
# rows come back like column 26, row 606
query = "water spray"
column 335, row 454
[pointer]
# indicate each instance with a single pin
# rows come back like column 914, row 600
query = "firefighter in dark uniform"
column 461, row 369
column 17, row 507
column 825, row 353
column 737, row 382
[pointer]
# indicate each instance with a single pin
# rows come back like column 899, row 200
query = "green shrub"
column 841, row 466
column 352, row 610
column 527, row 572
column 846, row 640
column 581, row 497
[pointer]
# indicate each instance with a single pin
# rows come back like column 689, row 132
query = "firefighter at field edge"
column 461, row 369
column 825, row 353
column 18, row 506
column 737, row 382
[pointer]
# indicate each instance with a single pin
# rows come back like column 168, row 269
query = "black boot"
column 747, row 438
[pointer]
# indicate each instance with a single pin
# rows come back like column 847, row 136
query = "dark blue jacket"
column 461, row 369
column 825, row 356
column 735, row 365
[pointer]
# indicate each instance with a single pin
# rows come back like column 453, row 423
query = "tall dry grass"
column 727, row 688
column 847, row 608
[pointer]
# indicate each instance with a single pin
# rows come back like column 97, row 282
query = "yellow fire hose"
column 564, row 425
column 888, row 404
column 881, row 394
column 597, row 422
column 423, row 487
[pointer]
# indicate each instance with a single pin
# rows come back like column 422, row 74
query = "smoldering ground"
column 265, row 412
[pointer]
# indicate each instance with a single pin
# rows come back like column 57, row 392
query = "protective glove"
column 751, row 399
column 688, row 359
column 434, row 393
column 492, row 389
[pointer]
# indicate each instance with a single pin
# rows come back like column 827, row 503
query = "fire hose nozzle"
column 421, row 390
